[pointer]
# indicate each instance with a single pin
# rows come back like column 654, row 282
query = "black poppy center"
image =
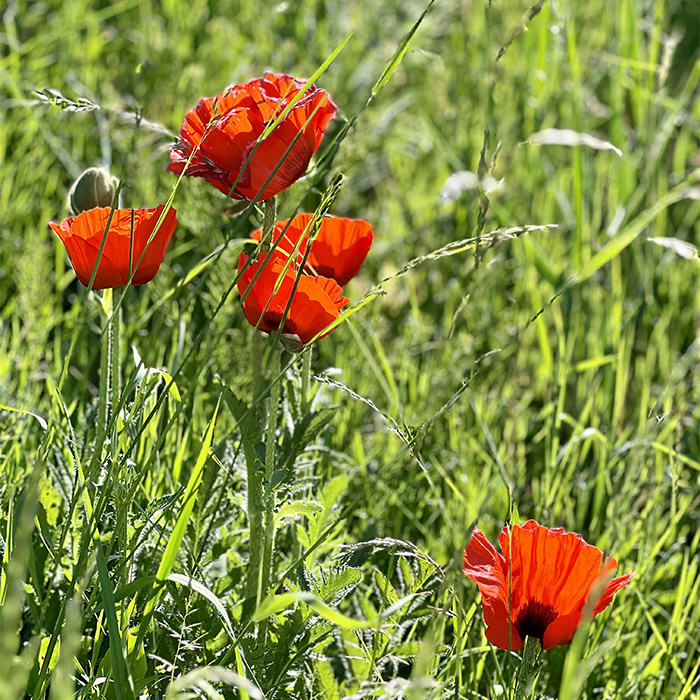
column 534, row 619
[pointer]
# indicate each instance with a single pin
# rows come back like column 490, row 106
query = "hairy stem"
column 529, row 669
column 268, row 224
column 269, row 497
column 306, row 380
column 255, row 483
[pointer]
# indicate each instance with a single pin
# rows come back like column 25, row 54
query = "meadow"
column 521, row 343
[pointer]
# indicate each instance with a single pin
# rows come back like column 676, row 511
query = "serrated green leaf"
column 305, row 432
column 290, row 510
column 276, row 604
column 176, row 536
column 209, row 595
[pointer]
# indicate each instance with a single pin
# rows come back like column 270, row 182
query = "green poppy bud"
column 94, row 188
column 291, row 342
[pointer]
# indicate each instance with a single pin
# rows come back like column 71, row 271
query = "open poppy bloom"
column 225, row 129
column 82, row 235
column 553, row 574
column 338, row 250
column 315, row 305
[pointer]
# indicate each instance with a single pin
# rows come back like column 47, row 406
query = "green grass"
column 554, row 373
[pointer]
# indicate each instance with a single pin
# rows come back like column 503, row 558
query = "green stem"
column 306, row 380
column 269, row 497
column 255, row 483
column 529, row 669
column 115, row 359
column 260, row 544
column 268, row 224
column 103, row 395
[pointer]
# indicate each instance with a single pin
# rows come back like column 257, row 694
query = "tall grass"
column 550, row 374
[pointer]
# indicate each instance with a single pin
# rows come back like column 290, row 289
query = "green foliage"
column 522, row 340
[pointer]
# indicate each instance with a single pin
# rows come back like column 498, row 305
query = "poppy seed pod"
column 94, row 188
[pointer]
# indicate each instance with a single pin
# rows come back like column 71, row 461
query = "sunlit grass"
column 552, row 374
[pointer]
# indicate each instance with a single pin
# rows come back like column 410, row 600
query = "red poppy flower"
column 240, row 115
column 82, row 236
column 338, row 250
column 552, row 576
column 315, row 305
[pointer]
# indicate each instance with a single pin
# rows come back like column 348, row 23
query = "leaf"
column 176, row 536
column 521, row 26
column 43, row 648
column 276, row 604
column 123, row 681
column 209, row 595
column 305, row 432
column 201, row 680
column 50, row 499
column 290, row 510
column 39, row 419
column 569, row 137
column 616, row 245
column 339, row 584
column 142, row 372
column 683, row 248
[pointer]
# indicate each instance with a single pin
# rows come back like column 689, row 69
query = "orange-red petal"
column 315, row 303
column 339, row 249
column 224, row 131
column 82, row 235
column 552, row 576
column 488, row 569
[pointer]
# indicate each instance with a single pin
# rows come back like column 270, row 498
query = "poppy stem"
column 306, row 380
column 529, row 669
column 114, row 359
column 255, row 499
column 268, row 224
column 103, row 395
column 269, row 495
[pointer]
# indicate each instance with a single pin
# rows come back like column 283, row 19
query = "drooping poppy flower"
column 553, row 574
column 315, row 305
column 338, row 250
column 82, row 235
column 225, row 130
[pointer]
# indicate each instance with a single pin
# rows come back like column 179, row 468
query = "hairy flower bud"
column 94, row 188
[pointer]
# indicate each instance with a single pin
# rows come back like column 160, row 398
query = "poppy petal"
column 565, row 582
column 552, row 575
column 83, row 235
column 338, row 251
column 224, row 131
column 314, row 306
column 562, row 630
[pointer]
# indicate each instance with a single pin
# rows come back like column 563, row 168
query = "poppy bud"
column 94, row 188
column 291, row 342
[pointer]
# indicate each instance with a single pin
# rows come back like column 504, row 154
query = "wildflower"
column 338, row 250
column 551, row 575
column 82, row 235
column 226, row 129
column 316, row 302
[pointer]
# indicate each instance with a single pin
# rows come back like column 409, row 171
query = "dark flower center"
column 534, row 619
